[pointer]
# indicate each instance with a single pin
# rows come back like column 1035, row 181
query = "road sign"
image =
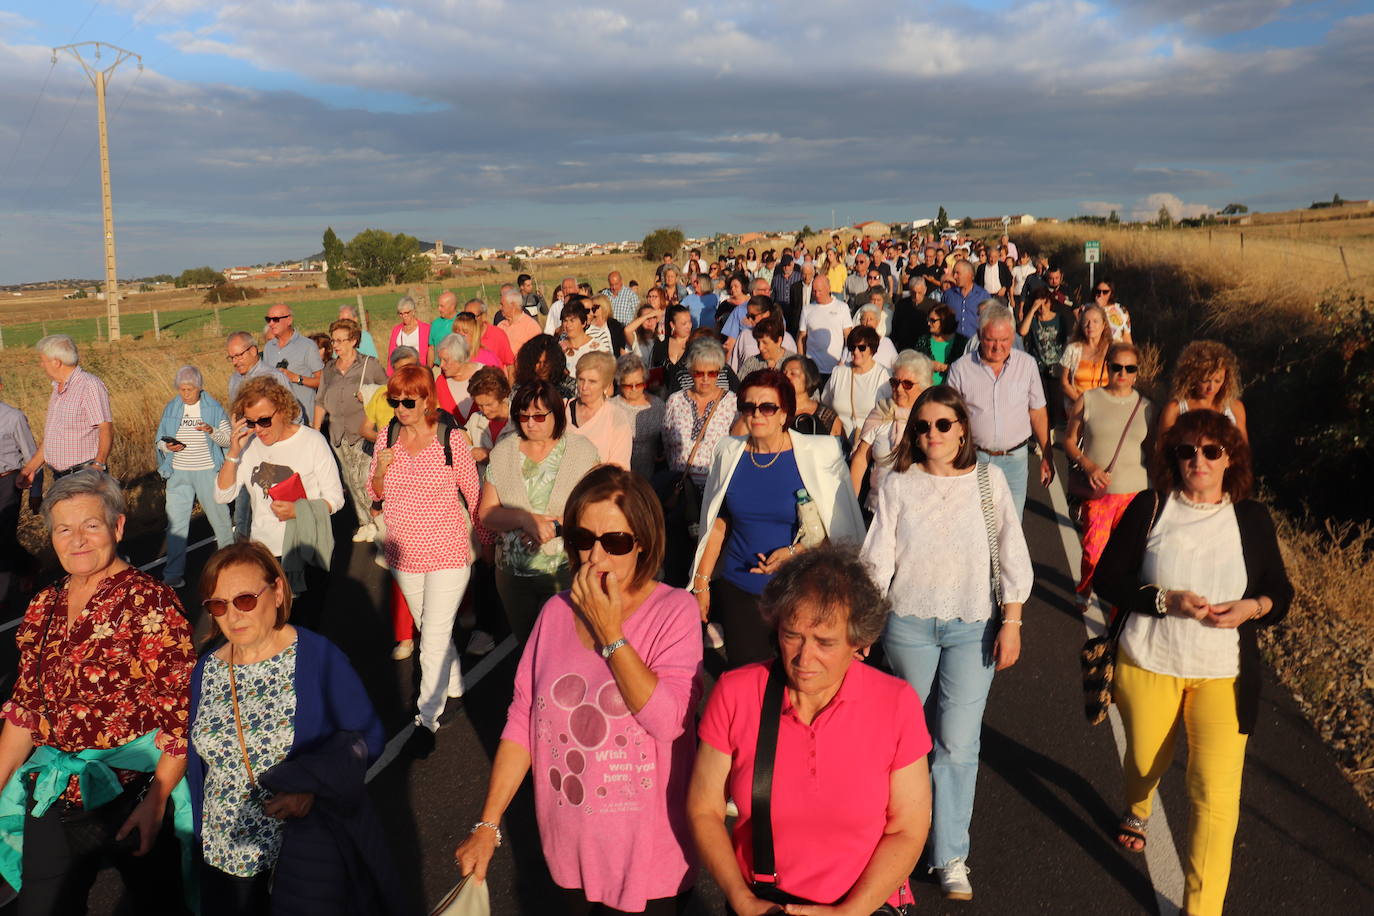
column 1006, row 221
column 1092, row 252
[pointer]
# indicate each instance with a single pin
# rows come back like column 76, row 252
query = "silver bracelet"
column 497, row 830
column 233, row 459
column 1161, row 603
column 1016, row 620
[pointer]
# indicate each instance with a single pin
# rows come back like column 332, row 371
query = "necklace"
column 763, row 467
column 1203, row 507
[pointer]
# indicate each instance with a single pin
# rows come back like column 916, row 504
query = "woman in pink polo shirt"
column 846, row 744
column 604, row 700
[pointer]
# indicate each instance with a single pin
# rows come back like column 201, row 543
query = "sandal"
column 1130, row 830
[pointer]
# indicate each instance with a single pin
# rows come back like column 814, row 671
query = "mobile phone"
column 172, row 441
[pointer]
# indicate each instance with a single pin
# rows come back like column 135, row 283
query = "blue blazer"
column 170, row 424
column 329, row 699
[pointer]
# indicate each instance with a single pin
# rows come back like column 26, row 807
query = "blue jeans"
column 183, row 489
column 1015, row 468
column 959, row 653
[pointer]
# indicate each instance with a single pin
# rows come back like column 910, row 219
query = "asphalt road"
column 1048, row 791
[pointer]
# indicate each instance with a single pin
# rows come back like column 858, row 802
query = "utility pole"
column 99, row 79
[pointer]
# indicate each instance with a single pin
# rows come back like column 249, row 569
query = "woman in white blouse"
column 856, row 385
column 946, row 621
column 882, row 432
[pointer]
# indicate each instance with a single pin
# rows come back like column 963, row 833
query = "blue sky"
column 256, row 124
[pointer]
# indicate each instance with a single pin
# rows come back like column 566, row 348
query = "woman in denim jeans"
column 946, row 633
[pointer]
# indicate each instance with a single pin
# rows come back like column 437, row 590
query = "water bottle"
column 810, row 528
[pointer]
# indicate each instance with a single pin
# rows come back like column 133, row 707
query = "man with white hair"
column 79, row 429
column 518, row 327
column 294, row 354
column 624, row 302
column 965, row 298
column 367, row 346
column 1006, row 401
column 554, row 323
column 242, row 352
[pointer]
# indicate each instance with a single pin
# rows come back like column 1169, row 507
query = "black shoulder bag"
column 764, row 881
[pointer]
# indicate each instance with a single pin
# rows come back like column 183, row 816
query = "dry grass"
column 1329, row 564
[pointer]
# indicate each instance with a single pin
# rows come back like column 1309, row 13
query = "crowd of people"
column 814, row 461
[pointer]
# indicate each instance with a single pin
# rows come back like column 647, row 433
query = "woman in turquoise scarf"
column 94, row 738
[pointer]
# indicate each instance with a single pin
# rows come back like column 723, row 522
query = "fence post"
column 362, row 312
column 219, row 332
column 157, row 330
column 1344, row 262
column 1242, row 244
column 2, row 338
column 44, row 326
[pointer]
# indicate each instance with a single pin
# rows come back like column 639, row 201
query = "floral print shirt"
column 122, row 669
column 240, row 839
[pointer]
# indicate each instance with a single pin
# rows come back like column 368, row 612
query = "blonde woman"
column 1083, row 366
column 1207, row 377
column 593, row 415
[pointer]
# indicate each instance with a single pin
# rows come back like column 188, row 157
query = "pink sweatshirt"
column 610, row 787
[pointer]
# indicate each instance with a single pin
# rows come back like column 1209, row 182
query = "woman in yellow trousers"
column 1196, row 565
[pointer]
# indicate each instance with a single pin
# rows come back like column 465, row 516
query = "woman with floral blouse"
column 105, row 662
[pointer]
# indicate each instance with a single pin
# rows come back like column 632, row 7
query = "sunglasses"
column 699, row 373
column 766, row 409
column 275, row 318
column 245, row 602
column 632, row 386
column 407, row 403
column 932, row 320
column 874, row 277
column 906, row 384
column 533, row 417
column 859, row 348
column 1103, row 292
column 1128, row 368
column 617, row 543
column 1211, row 451
column 264, row 422
column 944, row 425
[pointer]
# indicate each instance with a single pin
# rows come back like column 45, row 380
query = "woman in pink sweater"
column 604, row 699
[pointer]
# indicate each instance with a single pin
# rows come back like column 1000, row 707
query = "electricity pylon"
column 99, row 77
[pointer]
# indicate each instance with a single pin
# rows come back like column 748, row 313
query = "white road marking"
column 470, row 680
column 11, row 624
column 1161, row 855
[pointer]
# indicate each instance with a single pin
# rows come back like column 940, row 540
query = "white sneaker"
column 480, row 643
column 365, row 533
column 954, row 883
column 404, row 649
column 455, row 685
column 731, row 809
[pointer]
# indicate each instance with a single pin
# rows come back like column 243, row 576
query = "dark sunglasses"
column 275, row 318
column 632, row 386
column 859, row 348
column 407, row 403
column 1103, row 292
column 705, row 373
column 874, row 277
column 264, row 422
column 1128, row 368
column 932, row 320
column 905, row 383
column 533, row 417
column 617, row 543
column 1211, row 451
column 218, row 607
column 766, row 409
column 944, row 425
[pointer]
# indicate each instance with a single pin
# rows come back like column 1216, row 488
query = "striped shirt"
column 196, row 455
column 71, row 435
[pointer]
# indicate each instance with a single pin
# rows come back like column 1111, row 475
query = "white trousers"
column 434, row 598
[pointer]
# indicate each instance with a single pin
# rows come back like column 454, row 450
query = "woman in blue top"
column 749, row 514
column 191, row 439
column 271, row 693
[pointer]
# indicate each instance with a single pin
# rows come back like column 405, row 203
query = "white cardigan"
column 823, row 472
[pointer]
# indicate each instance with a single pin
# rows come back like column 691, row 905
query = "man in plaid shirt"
column 624, row 302
column 80, row 428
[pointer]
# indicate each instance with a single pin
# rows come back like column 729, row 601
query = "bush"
column 664, row 240
column 231, row 292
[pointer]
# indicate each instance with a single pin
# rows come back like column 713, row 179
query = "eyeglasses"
column 905, row 383
column 264, row 422
column 1128, row 368
column 233, row 356
column 245, row 602
column 340, row 340
column 932, row 320
column 766, row 409
column 632, row 386
column 1211, row 451
column 533, row 417
column 407, row 403
column 705, row 373
column 944, row 425
column 617, row 543
column 408, row 312
column 275, row 318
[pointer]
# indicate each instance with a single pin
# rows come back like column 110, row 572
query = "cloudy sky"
column 255, row 124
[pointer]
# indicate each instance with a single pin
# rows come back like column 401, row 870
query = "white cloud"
column 1147, row 208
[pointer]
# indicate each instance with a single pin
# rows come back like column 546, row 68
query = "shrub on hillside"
column 231, row 292
column 664, row 240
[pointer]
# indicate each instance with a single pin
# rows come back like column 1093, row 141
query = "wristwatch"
column 608, row 651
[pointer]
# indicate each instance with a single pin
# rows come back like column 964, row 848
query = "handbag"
column 1098, row 658
column 469, row 897
column 684, row 496
column 1079, row 484
column 764, row 882
column 990, row 523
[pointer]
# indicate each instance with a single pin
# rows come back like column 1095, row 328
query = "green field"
column 311, row 315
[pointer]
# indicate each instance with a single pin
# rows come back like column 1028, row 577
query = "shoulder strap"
column 1119, row 621
column 990, row 523
column 1139, row 399
column 445, row 425
column 765, row 756
column 706, row 421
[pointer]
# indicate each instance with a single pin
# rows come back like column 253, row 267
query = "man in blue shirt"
column 296, row 355
column 964, row 299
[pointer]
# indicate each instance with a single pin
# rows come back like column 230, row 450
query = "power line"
column 56, row 140
column 24, row 132
column 89, row 13
column 142, row 18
